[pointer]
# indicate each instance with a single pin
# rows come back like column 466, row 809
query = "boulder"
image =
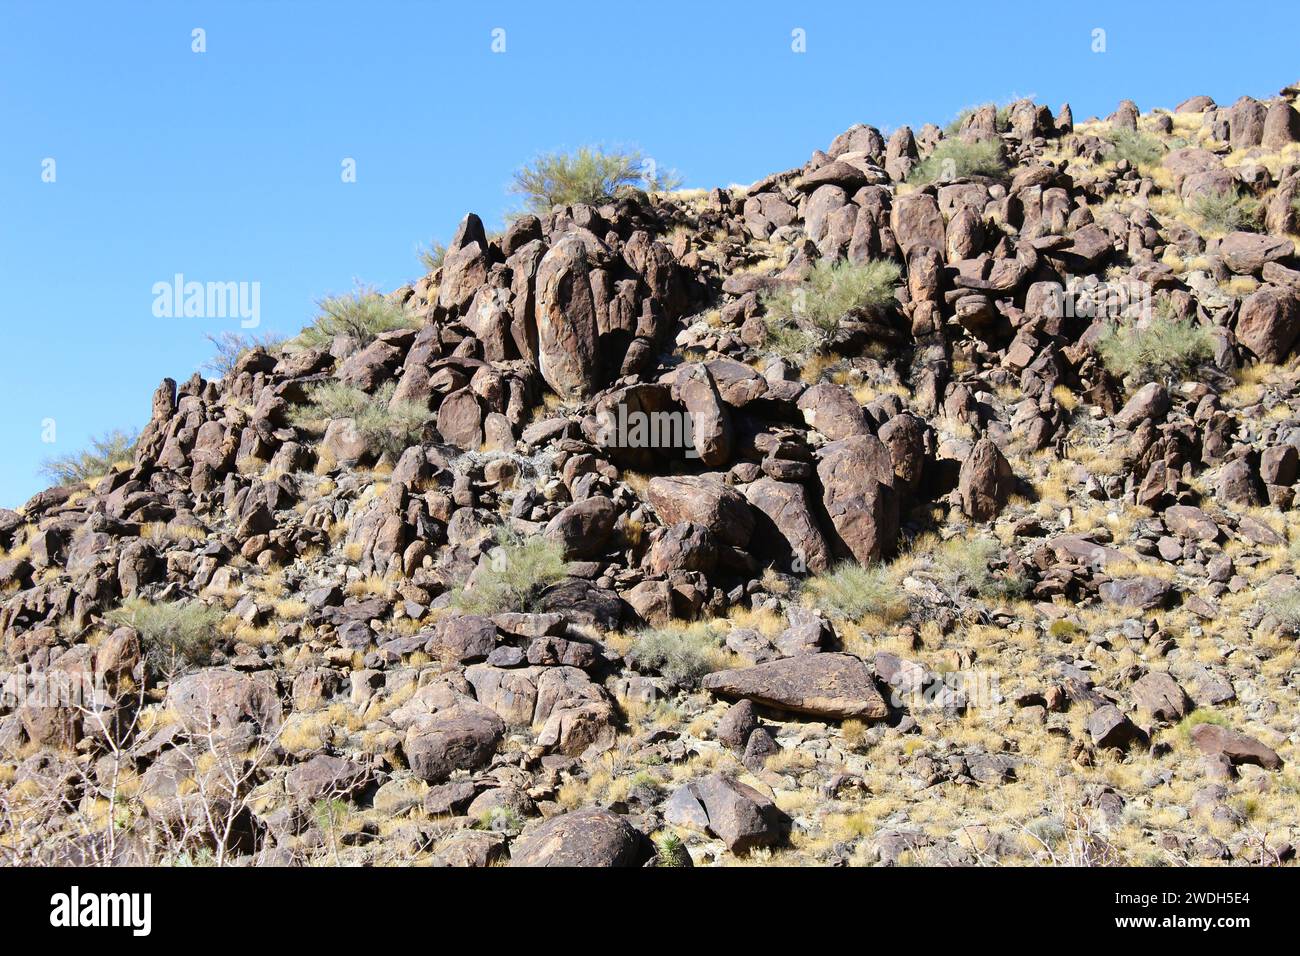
column 837, row 686
column 584, row 527
column 985, row 481
column 705, row 500
column 1237, row 747
column 566, row 320
column 857, row 478
column 833, row 411
column 736, row 814
column 787, row 528
column 1269, row 323
column 587, row 837
column 1160, row 695
column 461, row 737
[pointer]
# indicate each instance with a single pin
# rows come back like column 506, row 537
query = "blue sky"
column 225, row 165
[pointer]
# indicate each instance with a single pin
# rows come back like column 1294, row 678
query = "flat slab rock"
column 838, row 686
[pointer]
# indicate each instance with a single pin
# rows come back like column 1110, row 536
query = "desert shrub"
column 104, row 454
column 1164, row 348
column 230, row 347
column 388, row 427
column 670, row 851
column 1201, row 715
column 432, row 257
column 957, row 159
column 965, row 566
column 1225, row 211
column 587, row 175
column 809, row 314
column 1286, row 611
column 174, row 635
column 517, row 571
column 1063, row 630
column 1139, row 148
column 360, row 315
column 850, row 591
column 681, row 655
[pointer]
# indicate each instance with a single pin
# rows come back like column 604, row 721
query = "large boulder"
column 587, row 837
column 838, row 686
column 985, row 481
column 833, row 411
column 1248, row 252
column 857, row 478
column 1269, row 323
column 584, row 527
column 787, row 529
column 1237, row 747
column 705, row 500
column 710, row 421
column 736, row 814
column 567, row 327
column 463, row 736
column 218, row 699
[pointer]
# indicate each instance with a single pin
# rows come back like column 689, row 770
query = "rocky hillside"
column 933, row 502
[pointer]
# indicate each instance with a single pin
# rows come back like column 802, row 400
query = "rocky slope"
column 1076, row 643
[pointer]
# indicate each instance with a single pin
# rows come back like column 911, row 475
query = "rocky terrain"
column 996, row 567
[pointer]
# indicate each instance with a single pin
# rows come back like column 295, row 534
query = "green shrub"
column 1286, row 611
column 965, row 566
column 588, row 175
column 230, row 347
column 1139, row 148
column 681, row 655
column 957, row 159
column 1165, row 348
column 103, row 455
column 174, row 635
column 1063, row 629
column 1226, row 211
column 388, row 427
column 809, row 314
column 670, row 851
column 850, row 591
column 360, row 315
column 1201, row 715
column 432, row 257
column 517, row 571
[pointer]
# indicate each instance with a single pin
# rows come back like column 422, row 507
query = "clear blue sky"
column 225, row 165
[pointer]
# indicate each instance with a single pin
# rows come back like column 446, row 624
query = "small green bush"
column 1139, row 148
column 681, row 655
column 432, row 257
column 808, row 315
column 957, row 159
column 1201, row 715
column 588, row 175
column 1286, row 611
column 360, row 315
column 388, row 427
column 850, row 591
column 670, row 851
column 230, row 347
column 174, row 635
column 103, row 455
column 517, row 571
column 965, row 566
column 1165, row 348
column 1226, row 211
